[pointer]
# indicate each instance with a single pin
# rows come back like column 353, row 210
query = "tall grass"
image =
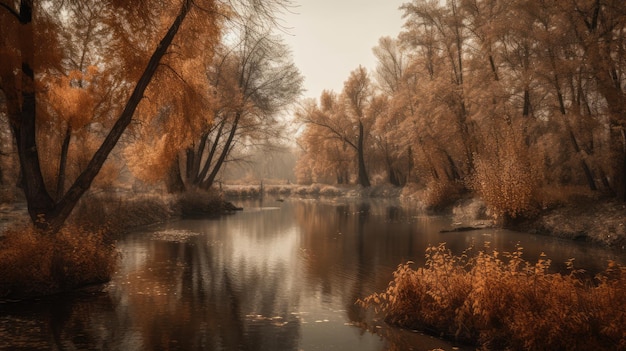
column 500, row 301
column 119, row 213
column 33, row 263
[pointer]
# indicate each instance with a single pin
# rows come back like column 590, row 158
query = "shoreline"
column 596, row 220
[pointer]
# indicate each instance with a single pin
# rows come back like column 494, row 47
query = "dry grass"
column 201, row 203
column 33, row 263
column 500, row 301
column 119, row 213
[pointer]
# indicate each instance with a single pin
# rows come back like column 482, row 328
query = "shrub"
column 200, row 203
column 501, row 301
column 506, row 180
column 441, row 193
column 330, row 191
column 33, row 263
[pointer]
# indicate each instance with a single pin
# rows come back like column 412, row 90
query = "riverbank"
column 83, row 252
column 594, row 219
column 599, row 221
column 591, row 219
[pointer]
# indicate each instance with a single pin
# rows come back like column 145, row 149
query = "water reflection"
column 273, row 277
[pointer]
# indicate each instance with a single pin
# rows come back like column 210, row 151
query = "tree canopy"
column 505, row 98
column 75, row 74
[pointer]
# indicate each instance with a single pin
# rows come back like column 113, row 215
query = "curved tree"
column 144, row 32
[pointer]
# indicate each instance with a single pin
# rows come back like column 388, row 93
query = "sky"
column 331, row 38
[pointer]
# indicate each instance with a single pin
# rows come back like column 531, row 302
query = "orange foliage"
column 503, row 302
column 70, row 259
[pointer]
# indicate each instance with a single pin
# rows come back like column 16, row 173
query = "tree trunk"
column 225, row 151
column 44, row 212
column 174, row 181
column 394, row 179
column 393, row 175
column 603, row 66
column 209, row 159
column 190, row 154
column 63, row 162
column 363, row 177
column 586, row 170
column 198, row 158
column 38, row 199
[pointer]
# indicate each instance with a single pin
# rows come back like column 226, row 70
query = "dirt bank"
column 595, row 220
column 599, row 221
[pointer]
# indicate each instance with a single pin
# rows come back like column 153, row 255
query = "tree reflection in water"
column 267, row 278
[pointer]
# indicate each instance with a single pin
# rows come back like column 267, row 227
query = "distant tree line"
column 515, row 100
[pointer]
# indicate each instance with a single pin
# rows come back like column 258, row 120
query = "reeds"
column 500, row 301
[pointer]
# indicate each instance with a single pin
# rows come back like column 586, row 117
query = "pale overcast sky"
column 331, row 38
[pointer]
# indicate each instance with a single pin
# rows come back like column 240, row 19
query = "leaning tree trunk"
column 209, row 159
column 44, row 212
column 225, row 151
column 39, row 200
column 63, row 162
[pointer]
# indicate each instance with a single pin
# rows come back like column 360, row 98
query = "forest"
column 108, row 94
column 116, row 114
column 519, row 102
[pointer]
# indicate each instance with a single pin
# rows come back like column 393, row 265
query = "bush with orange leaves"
column 500, row 301
column 34, row 263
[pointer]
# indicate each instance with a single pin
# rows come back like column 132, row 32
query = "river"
column 276, row 276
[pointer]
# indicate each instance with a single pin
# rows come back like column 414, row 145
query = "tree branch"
column 11, row 10
column 341, row 136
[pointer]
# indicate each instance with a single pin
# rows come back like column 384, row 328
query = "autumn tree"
column 532, row 100
column 439, row 32
column 143, row 34
column 505, row 98
column 598, row 27
column 393, row 80
column 324, row 158
column 253, row 80
column 348, row 118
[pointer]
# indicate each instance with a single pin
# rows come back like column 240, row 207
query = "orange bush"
column 505, row 302
column 33, row 263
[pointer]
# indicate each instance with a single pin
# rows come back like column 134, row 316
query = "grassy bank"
column 33, row 263
column 499, row 301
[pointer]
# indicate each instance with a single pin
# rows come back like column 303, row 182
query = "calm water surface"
column 277, row 276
